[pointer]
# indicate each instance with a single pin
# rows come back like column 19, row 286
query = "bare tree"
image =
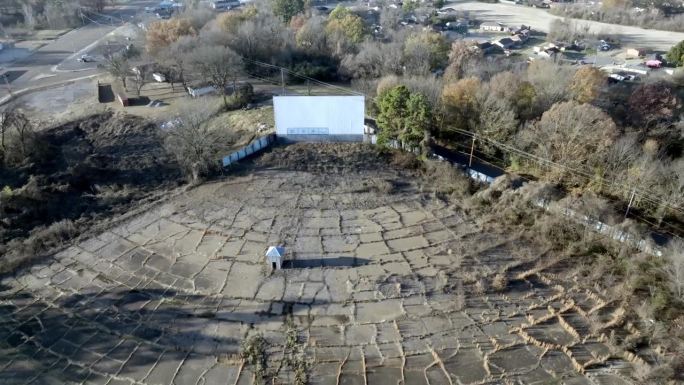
column 504, row 85
column 620, row 157
column 674, row 267
column 311, row 37
column 263, row 37
column 652, row 104
column 27, row 9
column 141, row 74
column 550, row 81
column 373, row 60
column 194, row 145
column 575, row 137
column 496, row 119
column 119, row 67
column 5, row 124
column 390, row 17
column 424, row 51
column 176, row 58
column 16, row 136
column 24, row 129
column 219, row 66
column 462, row 57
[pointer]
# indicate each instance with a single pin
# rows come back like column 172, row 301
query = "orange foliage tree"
column 161, row 34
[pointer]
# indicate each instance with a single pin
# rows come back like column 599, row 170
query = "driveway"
column 541, row 19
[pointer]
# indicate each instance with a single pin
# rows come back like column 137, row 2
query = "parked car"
column 159, row 77
column 604, row 46
column 446, row 11
column 86, row 59
column 616, row 78
column 537, row 4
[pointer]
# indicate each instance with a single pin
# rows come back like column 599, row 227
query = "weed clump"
column 253, row 351
column 500, row 282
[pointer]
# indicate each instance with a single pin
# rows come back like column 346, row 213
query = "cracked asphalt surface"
column 379, row 285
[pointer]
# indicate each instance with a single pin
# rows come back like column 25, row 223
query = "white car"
column 617, row 78
column 445, row 11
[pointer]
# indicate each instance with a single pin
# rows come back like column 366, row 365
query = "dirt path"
column 541, row 19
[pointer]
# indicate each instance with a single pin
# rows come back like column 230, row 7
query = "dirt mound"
column 330, row 157
column 122, row 148
column 85, row 169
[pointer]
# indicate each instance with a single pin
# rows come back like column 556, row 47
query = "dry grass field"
column 385, row 283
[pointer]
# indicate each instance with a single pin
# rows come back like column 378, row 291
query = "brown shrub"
column 403, row 159
column 41, row 240
column 481, row 286
column 447, row 179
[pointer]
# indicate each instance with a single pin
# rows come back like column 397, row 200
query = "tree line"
column 38, row 14
column 425, row 89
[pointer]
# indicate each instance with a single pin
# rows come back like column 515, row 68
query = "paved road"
column 541, row 19
column 56, row 61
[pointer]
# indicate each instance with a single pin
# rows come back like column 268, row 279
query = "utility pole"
column 472, row 150
column 631, row 199
column 282, row 81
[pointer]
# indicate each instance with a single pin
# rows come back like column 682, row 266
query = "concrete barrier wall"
column 602, row 228
column 255, row 146
column 592, row 223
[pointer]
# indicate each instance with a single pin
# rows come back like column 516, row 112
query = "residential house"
column 460, row 26
column 523, row 32
column 493, row 27
column 505, row 43
column 517, row 40
column 487, row 47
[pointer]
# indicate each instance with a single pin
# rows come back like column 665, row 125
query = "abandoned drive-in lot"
column 379, row 286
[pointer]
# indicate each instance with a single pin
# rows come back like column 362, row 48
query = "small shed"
column 201, row 90
column 636, row 52
column 275, row 256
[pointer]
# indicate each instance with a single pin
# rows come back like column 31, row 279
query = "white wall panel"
column 318, row 115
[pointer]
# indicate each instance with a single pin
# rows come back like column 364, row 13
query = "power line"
column 511, row 149
column 588, row 176
column 295, row 74
column 109, row 17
